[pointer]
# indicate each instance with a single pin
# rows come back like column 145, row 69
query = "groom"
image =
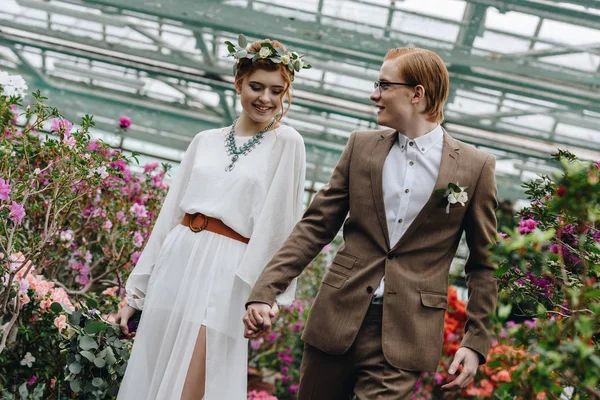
column 378, row 319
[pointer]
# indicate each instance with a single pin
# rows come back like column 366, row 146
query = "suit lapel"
column 380, row 153
column 447, row 171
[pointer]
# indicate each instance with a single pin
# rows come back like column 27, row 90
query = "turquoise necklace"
column 235, row 152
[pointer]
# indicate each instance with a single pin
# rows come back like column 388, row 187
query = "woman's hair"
column 246, row 66
column 426, row 68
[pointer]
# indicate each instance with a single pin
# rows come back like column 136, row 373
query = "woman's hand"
column 123, row 317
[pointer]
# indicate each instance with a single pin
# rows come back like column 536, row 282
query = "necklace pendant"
column 229, row 168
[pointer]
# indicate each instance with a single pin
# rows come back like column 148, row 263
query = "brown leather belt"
column 199, row 222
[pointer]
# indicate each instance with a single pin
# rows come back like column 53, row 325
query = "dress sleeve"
column 280, row 212
column 170, row 215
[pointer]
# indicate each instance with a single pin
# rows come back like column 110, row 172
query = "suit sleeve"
column 480, row 228
column 319, row 225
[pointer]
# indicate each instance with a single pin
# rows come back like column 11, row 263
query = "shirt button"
column 407, row 190
column 411, row 143
column 400, row 221
column 411, row 163
column 422, row 148
column 369, row 289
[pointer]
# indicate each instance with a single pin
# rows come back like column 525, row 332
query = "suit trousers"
column 362, row 371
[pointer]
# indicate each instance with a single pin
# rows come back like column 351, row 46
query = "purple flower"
column 530, row 324
column 4, row 189
column 271, row 337
column 124, row 122
column 255, row 344
column 93, row 311
column 511, row 324
column 527, row 225
column 32, row 380
column 17, row 212
column 294, row 388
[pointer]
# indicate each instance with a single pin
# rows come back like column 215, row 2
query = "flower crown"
column 291, row 59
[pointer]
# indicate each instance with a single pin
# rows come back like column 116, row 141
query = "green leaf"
column 439, row 192
column 241, row 53
column 75, row 368
column 75, row 318
column 454, row 187
column 242, row 41
column 23, row 392
column 91, row 303
column 228, row 43
column 87, row 343
column 95, row 326
column 99, row 362
column 88, row 354
column 297, row 66
column 38, row 392
column 275, row 60
column 97, row 382
column 56, row 307
column 75, row 386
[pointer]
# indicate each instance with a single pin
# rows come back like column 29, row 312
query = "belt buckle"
column 203, row 227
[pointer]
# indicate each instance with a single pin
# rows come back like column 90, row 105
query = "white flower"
column 454, row 196
column 298, row 64
column 28, row 360
column 264, row 52
column 285, row 59
column 12, row 84
column 37, row 171
column 66, row 236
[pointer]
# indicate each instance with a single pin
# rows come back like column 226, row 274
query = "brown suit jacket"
column 416, row 268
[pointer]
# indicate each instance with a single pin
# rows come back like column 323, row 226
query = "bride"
column 235, row 199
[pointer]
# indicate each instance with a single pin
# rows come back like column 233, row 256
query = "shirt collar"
column 423, row 143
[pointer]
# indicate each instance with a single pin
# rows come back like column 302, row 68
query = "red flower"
column 561, row 191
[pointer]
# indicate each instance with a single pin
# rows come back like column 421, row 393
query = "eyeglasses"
column 383, row 85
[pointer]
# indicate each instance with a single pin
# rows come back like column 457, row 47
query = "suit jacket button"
column 369, row 289
column 390, row 256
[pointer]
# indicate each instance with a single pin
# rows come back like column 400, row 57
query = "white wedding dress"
column 184, row 279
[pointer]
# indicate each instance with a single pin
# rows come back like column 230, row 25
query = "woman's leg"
column 195, row 380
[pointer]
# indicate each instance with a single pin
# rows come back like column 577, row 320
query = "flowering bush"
column 72, row 221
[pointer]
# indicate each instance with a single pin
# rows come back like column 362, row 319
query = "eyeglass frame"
column 378, row 84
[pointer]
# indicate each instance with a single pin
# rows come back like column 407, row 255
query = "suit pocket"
column 334, row 279
column 344, row 261
column 434, row 300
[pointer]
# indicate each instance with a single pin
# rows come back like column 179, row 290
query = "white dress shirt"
column 409, row 174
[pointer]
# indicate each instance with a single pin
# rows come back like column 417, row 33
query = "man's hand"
column 259, row 319
column 469, row 360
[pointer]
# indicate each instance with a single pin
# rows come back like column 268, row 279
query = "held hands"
column 469, row 360
column 259, row 319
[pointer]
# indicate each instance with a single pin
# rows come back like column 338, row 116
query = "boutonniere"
column 454, row 194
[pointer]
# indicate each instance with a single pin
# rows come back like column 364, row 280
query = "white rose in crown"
column 454, row 194
column 285, row 59
column 264, row 52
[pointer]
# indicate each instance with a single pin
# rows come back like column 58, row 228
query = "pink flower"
column 17, row 212
column 139, row 210
column 45, row 305
column 107, row 225
column 150, row 167
column 60, row 322
column 271, row 337
column 527, row 225
column 121, row 217
column 124, row 122
column 294, row 388
column 4, row 189
column 135, row 257
column 24, row 300
column 69, row 140
column 60, row 125
column 255, row 344
column 138, row 239
column 110, row 291
column 52, row 382
column 102, row 172
column 32, row 380
column 93, row 145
